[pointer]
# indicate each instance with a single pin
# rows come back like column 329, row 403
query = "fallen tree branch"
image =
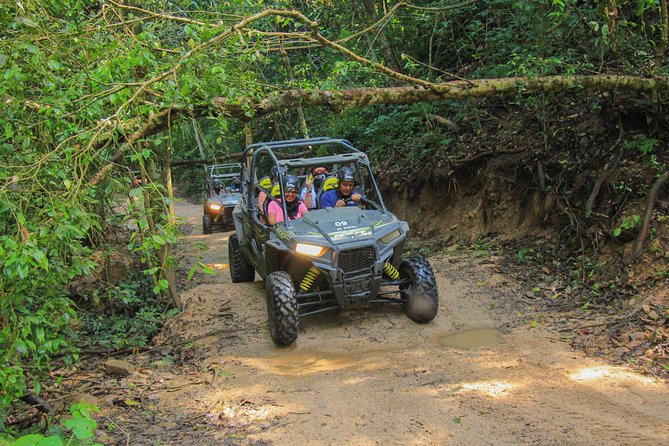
column 35, row 401
column 650, row 204
column 482, row 154
column 457, row 89
column 443, row 121
column 241, row 108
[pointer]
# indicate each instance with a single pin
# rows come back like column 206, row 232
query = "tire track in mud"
column 375, row 377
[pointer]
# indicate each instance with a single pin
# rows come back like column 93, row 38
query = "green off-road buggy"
column 331, row 258
column 223, row 192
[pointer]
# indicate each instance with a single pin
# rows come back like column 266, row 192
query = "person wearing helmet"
column 344, row 194
column 234, row 185
column 216, row 188
column 296, row 209
column 312, row 185
column 262, row 196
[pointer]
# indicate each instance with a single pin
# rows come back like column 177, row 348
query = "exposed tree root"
column 609, row 168
column 650, row 204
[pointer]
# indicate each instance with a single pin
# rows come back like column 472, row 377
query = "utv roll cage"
column 349, row 154
column 223, row 171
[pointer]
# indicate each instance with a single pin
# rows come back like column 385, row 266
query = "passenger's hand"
column 309, row 184
column 356, row 197
column 340, row 203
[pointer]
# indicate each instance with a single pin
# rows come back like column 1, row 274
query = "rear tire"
column 419, row 294
column 207, row 224
column 282, row 308
column 240, row 269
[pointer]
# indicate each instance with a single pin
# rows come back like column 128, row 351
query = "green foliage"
column 36, row 264
column 630, row 223
column 643, row 143
column 128, row 315
column 79, row 430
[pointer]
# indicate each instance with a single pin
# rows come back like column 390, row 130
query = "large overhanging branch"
column 247, row 109
column 461, row 89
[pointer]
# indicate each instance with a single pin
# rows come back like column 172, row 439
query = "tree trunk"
column 660, row 53
column 167, row 178
column 389, row 53
column 460, row 89
column 200, row 147
column 154, row 210
column 299, row 108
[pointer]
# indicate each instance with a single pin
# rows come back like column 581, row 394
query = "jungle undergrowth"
column 131, row 315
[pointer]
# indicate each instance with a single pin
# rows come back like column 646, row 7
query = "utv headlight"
column 310, row 250
column 215, row 207
column 389, row 237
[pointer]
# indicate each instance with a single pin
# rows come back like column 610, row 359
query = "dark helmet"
column 346, row 174
column 290, row 182
column 274, row 172
column 320, row 168
column 235, row 181
column 217, row 182
column 320, row 176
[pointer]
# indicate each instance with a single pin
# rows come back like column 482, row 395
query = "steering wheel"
column 363, row 201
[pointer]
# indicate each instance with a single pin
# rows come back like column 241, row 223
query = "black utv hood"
column 342, row 225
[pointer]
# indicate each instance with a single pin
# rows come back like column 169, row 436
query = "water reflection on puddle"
column 471, row 339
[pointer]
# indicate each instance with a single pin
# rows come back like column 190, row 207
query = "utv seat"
column 330, row 182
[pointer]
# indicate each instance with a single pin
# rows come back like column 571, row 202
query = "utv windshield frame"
column 276, row 152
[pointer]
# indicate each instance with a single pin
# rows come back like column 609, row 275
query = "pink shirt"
column 276, row 209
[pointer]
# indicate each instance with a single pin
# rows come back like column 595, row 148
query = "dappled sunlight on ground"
column 609, row 373
column 492, row 389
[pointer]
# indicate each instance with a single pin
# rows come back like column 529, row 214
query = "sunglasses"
column 290, row 191
column 320, row 171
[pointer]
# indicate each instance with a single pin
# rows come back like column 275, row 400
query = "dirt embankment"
column 483, row 372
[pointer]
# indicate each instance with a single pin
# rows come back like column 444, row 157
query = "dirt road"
column 481, row 373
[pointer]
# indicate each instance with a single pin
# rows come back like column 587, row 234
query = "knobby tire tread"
column 207, row 224
column 282, row 308
column 418, row 269
column 240, row 269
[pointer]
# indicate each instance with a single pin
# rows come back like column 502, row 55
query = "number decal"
column 341, row 223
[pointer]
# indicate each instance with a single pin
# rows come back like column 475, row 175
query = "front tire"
column 240, row 269
column 207, row 224
column 419, row 290
column 282, row 308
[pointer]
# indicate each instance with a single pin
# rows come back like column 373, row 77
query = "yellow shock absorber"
column 309, row 278
column 390, row 271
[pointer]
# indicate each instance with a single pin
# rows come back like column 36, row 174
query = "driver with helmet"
column 344, row 194
column 216, row 188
